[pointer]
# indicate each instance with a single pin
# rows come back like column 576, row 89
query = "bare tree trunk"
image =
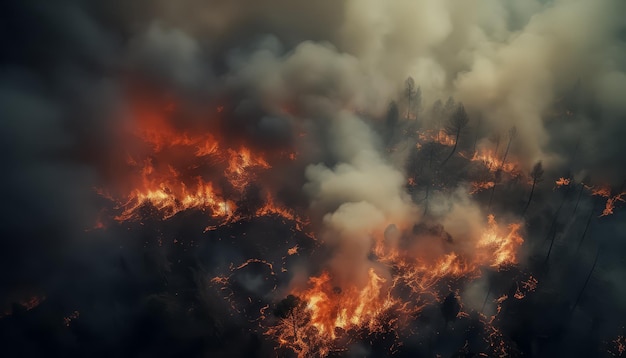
column 551, row 244
column 580, row 294
column 408, row 109
column 582, row 238
column 476, row 135
column 495, row 153
column 556, row 214
column 486, row 298
column 532, row 190
column 496, row 179
column 580, row 192
column 506, row 152
column 426, row 199
column 456, row 141
column 493, row 190
column 431, row 155
column 295, row 327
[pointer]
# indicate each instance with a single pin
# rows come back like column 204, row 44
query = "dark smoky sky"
column 554, row 69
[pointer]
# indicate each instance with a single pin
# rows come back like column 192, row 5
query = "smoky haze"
column 348, row 104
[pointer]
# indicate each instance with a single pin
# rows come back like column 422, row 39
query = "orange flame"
column 171, row 169
column 480, row 186
column 330, row 309
column 611, row 200
column 563, row 182
column 440, row 136
column 504, row 247
column 490, row 160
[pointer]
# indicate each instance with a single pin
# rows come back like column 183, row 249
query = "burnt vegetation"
column 204, row 237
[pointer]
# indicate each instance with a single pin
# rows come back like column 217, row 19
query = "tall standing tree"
column 288, row 309
column 393, row 115
column 512, row 134
column 449, row 107
column 455, row 125
column 477, row 131
column 495, row 139
column 417, row 102
column 500, row 169
column 437, row 110
column 537, row 176
column 410, row 93
column 586, row 179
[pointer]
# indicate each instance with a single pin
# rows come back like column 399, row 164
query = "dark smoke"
column 316, row 78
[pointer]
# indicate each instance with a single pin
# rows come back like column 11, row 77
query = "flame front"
column 332, row 308
column 171, row 169
column 491, row 160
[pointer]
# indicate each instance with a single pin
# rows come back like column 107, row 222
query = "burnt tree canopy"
column 450, row 307
column 286, row 306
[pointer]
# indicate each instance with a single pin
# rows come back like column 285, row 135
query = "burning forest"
column 333, row 179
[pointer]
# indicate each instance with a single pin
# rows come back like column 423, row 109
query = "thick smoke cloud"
column 316, row 77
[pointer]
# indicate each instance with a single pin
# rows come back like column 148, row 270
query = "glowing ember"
column 440, row 136
column 293, row 250
column 563, row 182
column 33, row 302
column 619, row 346
column 491, row 161
column 480, row 186
column 611, row 200
column 28, row 304
column 68, row 320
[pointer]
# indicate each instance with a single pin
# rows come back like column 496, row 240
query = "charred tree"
column 391, row 121
column 495, row 138
column 410, row 93
column 580, row 193
column 455, row 125
column 551, row 245
column 496, row 179
column 286, row 309
column 449, row 107
column 477, row 131
column 512, row 134
column 582, row 237
column 450, row 308
column 437, row 110
column 537, row 175
column 582, row 290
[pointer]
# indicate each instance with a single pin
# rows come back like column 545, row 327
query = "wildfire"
column 491, row 161
column 440, row 136
column 332, row 307
column 562, row 182
column 480, row 186
column 328, row 309
column 611, row 200
column 502, row 248
column 171, row 168
column 174, row 169
column 529, row 285
column 292, row 250
column 72, row 316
